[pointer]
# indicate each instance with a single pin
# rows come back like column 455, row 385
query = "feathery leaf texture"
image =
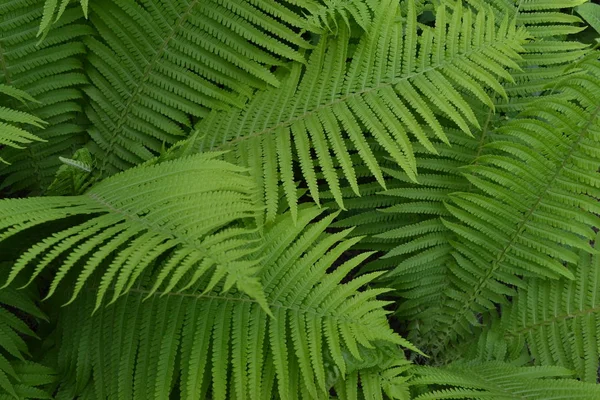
column 11, row 134
column 343, row 199
column 400, row 76
column 544, row 175
column 503, row 216
column 50, row 72
column 559, row 320
column 225, row 343
column 153, row 65
column 495, row 380
column 18, row 375
column 187, row 212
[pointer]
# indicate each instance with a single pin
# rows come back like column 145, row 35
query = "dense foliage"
column 299, row 199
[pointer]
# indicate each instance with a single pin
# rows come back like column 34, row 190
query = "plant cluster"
column 299, row 199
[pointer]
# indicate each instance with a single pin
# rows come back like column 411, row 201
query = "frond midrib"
column 153, row 227
column 352, row 95
column 143, row 80
column 551, row 321
column 518, row 231
column 226, row 298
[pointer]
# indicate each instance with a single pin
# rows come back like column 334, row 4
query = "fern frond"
column 590, row 12
column 499, row 207
column 53, row 11
column 329, row 14
column 558, row 320
column 399, row 79
column 11, row 134
column 548, row 55
column 544, row 176
column 384, row 376
column 155, row 64
column 18, row 312
column 223, row 343
column 51, row 72
column 187, row 212
column 75, row 176
column 495, row 380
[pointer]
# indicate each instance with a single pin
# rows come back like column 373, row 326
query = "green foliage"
column 320, row 199
column 18, row 376
column 396, row 76
column 223, row 339
column 52, row 73
column 11, row 135
column 494, row 380
column 591, row 13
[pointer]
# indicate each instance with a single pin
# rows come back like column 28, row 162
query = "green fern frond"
column 501, row 217
column 495, row 380
column 401, row 77
column 590, row 12
column 329, row 14
column 18, row 314
column 75, row 176
column 380, row 377
column 548, row 55
column 51, row 73
column 53, row 11
column 11, row 134
column 223, row 344
column 544, row 176
column 405, row 222
column 154, row 65
column 188, row 212
column 558, row 320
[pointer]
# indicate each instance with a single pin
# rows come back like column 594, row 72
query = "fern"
column 184, row 60
column 11, row 135
column 19, row 377
column 495, row 380
column 458, row 263
column 52, row 74
column 313, row 110
column 225, row 343
column 53, row 11
column 321, row 199
column 170, row 210
column 563, row 334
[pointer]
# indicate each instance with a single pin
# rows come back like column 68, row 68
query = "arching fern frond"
column 188, row 212
column 495, row 380
column 401, row 77
column 18, row 314
column 544, row 175
column 155, row 64
column 499, row 206
column 51, row 73
column 405, row 221
column 546, row 57
column 559, row 320
column 329, row 14
column 223, row 345
column 11, row 134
